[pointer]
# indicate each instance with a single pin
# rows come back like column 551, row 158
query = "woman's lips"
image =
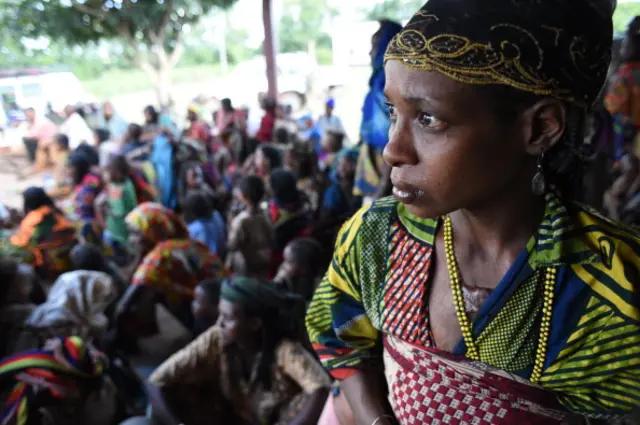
column 406, row 194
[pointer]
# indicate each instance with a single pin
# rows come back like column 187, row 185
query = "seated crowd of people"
column 162, row 276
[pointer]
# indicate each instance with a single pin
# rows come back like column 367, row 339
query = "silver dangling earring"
column 539, row 183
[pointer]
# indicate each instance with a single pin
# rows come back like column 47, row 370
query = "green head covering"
column 558, row 48
column 257, row 294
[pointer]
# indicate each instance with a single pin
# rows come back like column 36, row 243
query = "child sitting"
column 250, row 234
column 59, row 187
column 289, row 213
column 122, row 199
column 205, row 305
column 338, row 201
column 205, row 224
column 332, row 143
column 302, row 267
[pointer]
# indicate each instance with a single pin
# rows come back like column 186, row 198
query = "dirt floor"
column 12, row 184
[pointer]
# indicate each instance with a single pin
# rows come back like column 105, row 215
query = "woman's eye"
column 392, row 110
column 431, row 122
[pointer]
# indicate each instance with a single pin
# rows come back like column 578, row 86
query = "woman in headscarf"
column 248, row 369
column 44, row 238
column 75, row 305
column 372, row 173
column 492, row 296
column 62, row 382
column 172, row 263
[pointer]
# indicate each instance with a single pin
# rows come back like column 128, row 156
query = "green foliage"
column 114, row 82
column 303, row 22
column 624, row 13
column 395, row 10
column 78, row 22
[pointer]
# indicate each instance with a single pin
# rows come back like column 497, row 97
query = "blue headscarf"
column 374, row 130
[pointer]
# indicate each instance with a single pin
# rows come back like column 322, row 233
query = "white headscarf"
column 76, row 298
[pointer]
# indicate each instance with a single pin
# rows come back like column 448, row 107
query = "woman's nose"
column 400, row 149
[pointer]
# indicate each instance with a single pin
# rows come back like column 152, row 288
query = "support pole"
column 269, row 49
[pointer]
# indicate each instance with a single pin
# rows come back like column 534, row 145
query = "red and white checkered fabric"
column 425, row 388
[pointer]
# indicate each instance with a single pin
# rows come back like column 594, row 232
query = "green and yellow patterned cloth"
column 378, row 283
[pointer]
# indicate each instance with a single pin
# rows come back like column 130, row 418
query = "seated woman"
column 87, row 186
column 289, row 213
column 15, row 303
column 75, row 305
column 247, row 369
column 44, row 238
column 62, row 382
column 172, row 263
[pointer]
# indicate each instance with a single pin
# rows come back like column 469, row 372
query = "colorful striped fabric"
column 56, row 369
column 378, row 284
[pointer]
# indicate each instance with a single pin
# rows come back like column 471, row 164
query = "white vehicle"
column 36, row 88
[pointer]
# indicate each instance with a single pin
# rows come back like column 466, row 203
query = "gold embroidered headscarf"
column 558, row 48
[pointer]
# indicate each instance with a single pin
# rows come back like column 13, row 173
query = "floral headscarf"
column 156, row 223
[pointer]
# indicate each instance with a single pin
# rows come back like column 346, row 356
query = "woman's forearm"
column 368, row 403
column 312, row 410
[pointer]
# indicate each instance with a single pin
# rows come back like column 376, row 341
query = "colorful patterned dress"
column 44, row 239
column 175, row 267
column 374, row 299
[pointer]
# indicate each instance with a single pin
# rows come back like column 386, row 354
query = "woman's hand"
column 366, row 397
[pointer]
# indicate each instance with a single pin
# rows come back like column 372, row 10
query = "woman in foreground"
column 485, row 291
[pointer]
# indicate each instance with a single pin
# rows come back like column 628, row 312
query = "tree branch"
column 177, row 52
column 166, row 17
column 96, row 13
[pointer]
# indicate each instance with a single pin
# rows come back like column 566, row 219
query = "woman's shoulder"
column 371, row 222
column 609, row 251
column 592, row 225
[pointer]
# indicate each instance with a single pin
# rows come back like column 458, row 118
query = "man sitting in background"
column 40, row 131
column 329, row 121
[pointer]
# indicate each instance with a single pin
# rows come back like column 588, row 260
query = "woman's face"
column 446, row 148
column 235, row 325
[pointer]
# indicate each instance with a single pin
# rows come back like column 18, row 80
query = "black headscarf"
column 34, row 198
column 284, row 186
column 81, row 165
column 558, row 48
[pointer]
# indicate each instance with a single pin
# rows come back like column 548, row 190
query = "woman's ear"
column 546, row 122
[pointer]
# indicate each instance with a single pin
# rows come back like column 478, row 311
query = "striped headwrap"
column 56, row 369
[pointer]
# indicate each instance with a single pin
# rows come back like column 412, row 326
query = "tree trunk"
column 163, row 87
column 160, row 76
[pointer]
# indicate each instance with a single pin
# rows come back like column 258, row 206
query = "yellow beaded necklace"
column 456, row 289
